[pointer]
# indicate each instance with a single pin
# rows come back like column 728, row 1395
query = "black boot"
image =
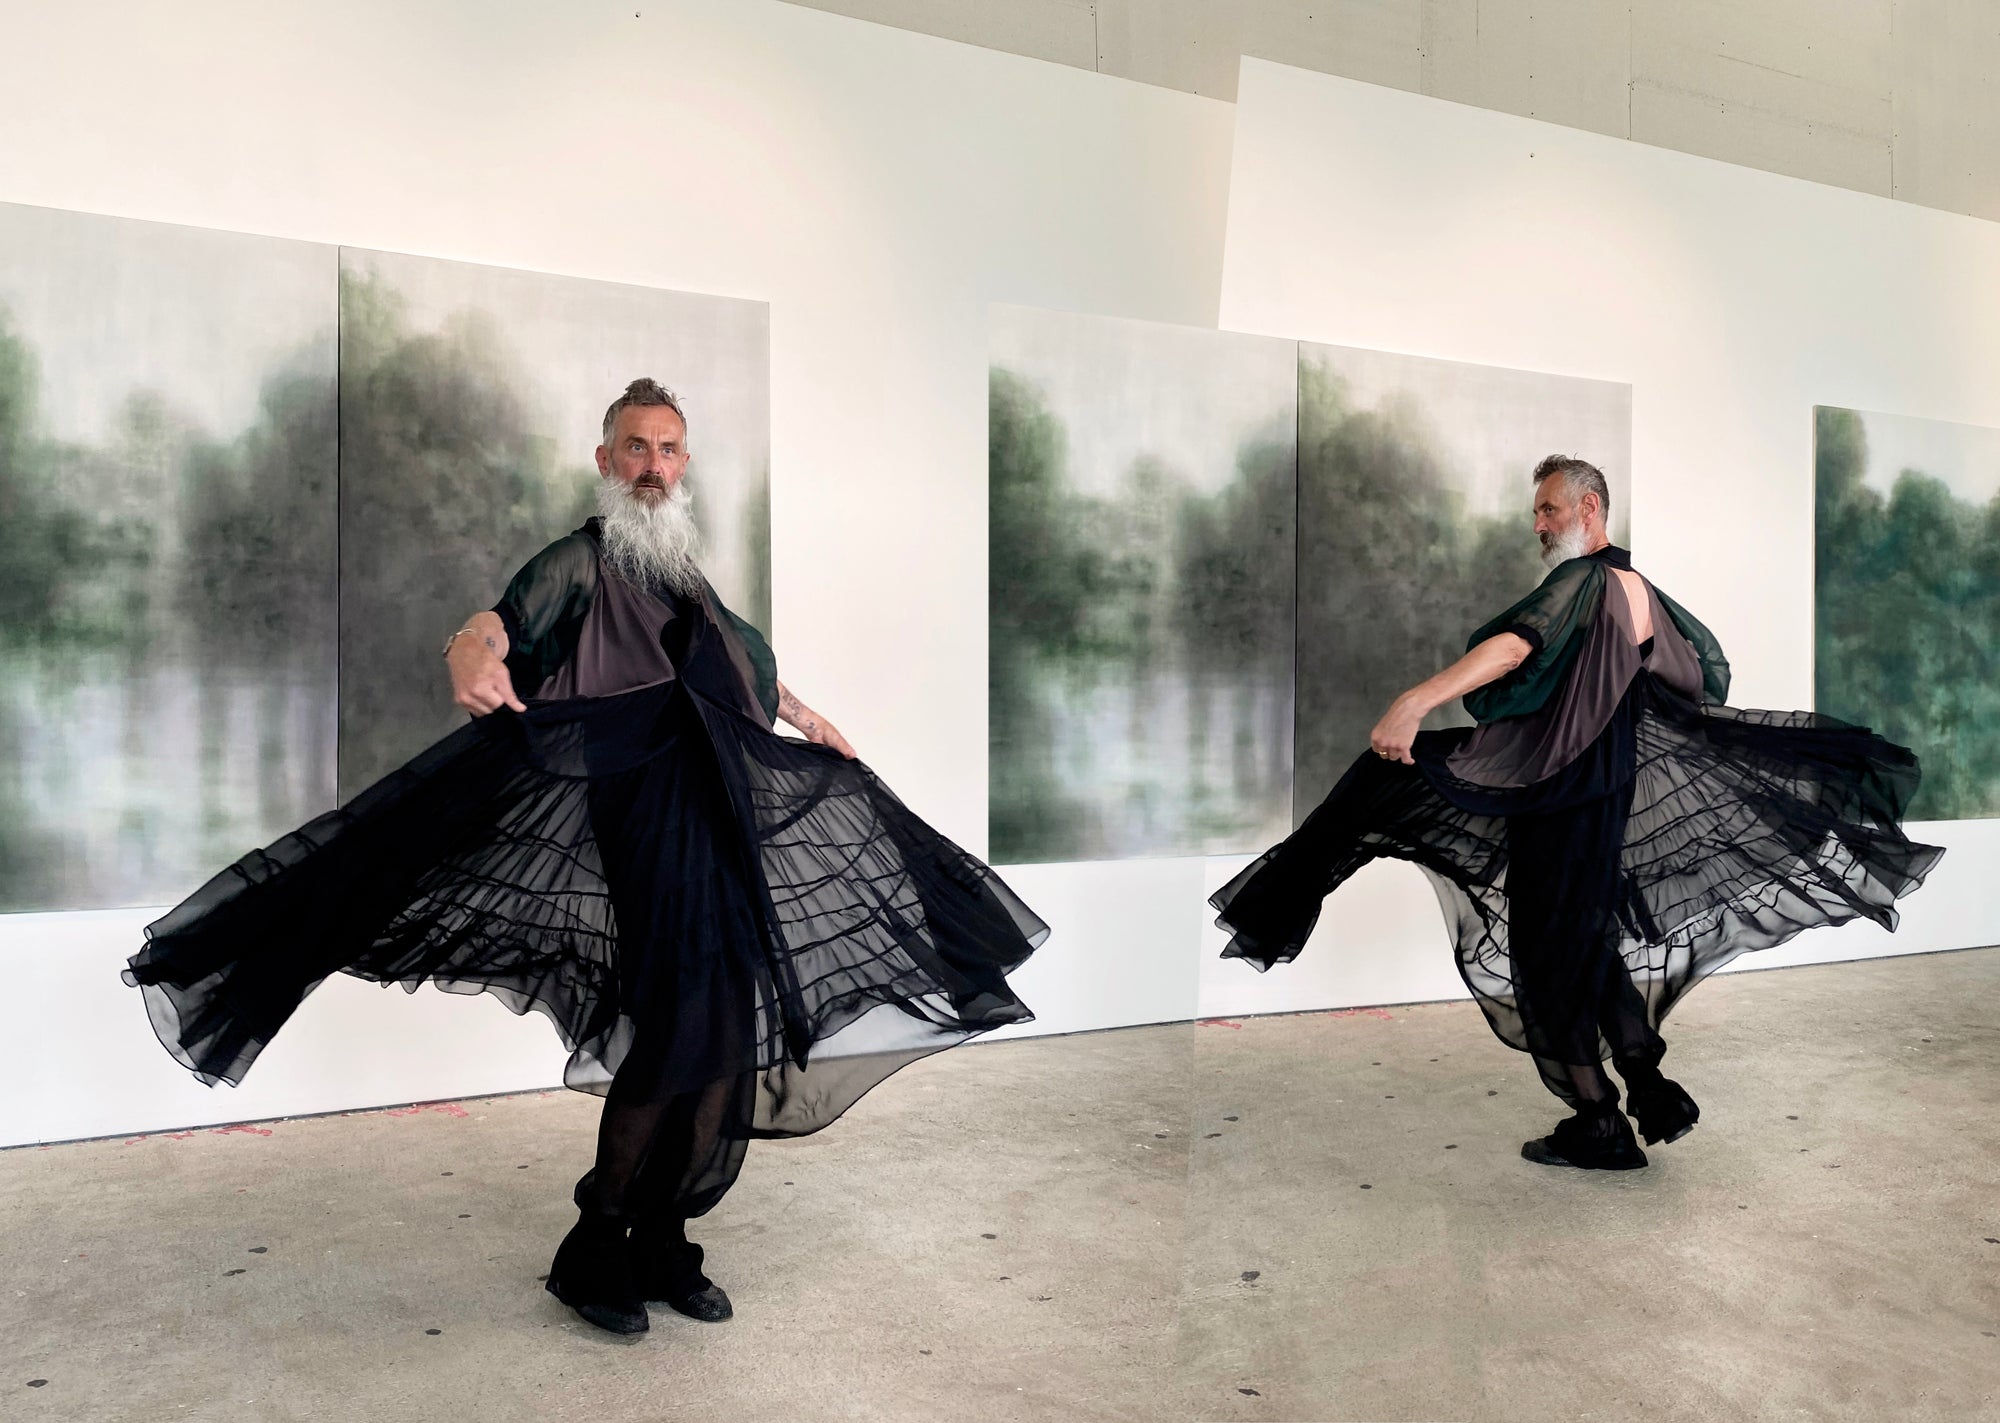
column 667, row 1266
column 1661, row 1106
column 1597, row 1138
column 592, row 1274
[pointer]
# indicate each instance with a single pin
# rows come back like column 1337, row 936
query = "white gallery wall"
column 1732, row 301
column 879, row 189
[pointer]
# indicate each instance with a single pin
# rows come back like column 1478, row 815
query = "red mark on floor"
column 450, row 1109
column 1383, row 1013
column 1217, row 1023
column 243, row 1127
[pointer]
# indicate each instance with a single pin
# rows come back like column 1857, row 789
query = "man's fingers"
column 485, row 699
column 489, row 696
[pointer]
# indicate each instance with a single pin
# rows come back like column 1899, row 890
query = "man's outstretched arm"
column 477, row 659
column 810, row 724
column 1488, row 662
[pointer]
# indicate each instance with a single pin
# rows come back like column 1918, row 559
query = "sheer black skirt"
column 1685, row 836
column 720, row 922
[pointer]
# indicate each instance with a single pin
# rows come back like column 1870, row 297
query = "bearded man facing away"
column 736, row 934
column 1609, row 834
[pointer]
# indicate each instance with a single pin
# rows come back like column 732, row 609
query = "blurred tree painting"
column 1141, row 493
column 470, row 401
column 1907, row 596
column 232, row 467
column 166, row 553
column 1415, row 524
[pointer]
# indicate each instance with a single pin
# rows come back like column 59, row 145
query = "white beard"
column 651, row 542
column 1563, row 547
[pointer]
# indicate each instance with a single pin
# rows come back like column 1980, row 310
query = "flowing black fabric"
column 736, row 934
column 1585, row 904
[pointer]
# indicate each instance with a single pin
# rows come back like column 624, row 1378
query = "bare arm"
column 476, row 657
column 1488, row 662
column 810, row 724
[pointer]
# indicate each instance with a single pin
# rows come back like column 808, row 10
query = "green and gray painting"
column 1141, row 541
column 166, row 553
column 1907, row 595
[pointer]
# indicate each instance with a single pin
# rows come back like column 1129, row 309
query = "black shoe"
column 1590, row 1141
column 668, row 1269
column 1663, row 1109
column 592, row 1274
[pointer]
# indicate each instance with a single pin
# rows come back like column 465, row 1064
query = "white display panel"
column 877, row 188
column 1732, row 301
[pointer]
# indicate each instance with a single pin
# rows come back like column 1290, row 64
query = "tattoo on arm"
column 796, row 711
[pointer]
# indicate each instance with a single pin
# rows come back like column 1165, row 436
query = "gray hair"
column 643, row 391
column 1580, row 477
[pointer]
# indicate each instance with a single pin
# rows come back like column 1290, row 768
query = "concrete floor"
column 1310, row 1218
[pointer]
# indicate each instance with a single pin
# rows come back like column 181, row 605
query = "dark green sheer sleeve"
column 1549, row 620
column 544, row 607
column 1714, row 666
column 763, row 661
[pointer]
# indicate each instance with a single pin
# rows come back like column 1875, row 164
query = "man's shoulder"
column 1572, row 572
column 578, row 543
column 571, row 559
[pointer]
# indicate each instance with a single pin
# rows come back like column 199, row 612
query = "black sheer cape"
column 639, row 858
column 1744, row 828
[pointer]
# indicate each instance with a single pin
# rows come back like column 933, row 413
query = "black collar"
column 1613, row 555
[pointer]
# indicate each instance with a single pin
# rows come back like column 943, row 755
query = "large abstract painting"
column 1907, row 595
column 470, row 401
column 1142, row 485
column 167, row 527
column 1416, row 524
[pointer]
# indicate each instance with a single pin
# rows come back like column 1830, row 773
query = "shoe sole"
column 728, row 1310
column 595, row 1315
column 1542, row 1155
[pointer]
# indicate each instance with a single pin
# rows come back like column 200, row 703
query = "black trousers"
column 1575, row 993
column 676, row 1120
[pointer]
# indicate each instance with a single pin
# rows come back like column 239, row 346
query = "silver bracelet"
column 462, row 632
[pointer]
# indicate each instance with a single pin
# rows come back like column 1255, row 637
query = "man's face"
column 1556, row 512
column 648, row 451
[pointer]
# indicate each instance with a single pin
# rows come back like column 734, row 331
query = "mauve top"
column 1521, row 750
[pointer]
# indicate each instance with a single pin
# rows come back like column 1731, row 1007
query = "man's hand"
column 479, row 679
column 824, row 733
column 1492, row 659
column 1394, row 733
column 814, row 727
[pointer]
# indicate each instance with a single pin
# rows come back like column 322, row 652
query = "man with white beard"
column 647, row 534
column 735, row 933
column 1608, row 835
